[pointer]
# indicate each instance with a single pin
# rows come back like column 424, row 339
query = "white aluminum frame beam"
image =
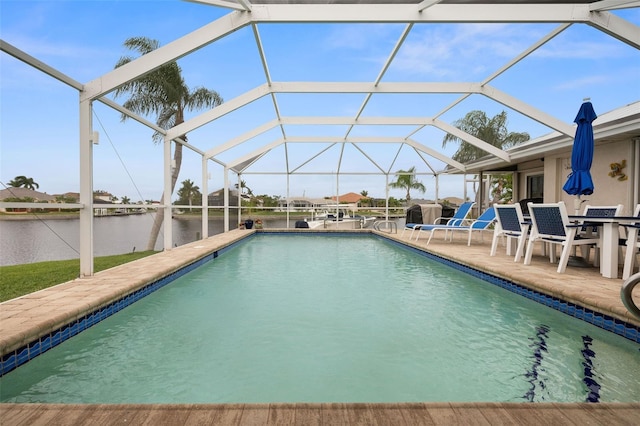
column 259, row 152
column 219, row 111
column 425, row 161
column 533, row 113
column 616, row 27
column 381, row 13
column 410, row 121
column 242, row 138
column 39, row 65
column 384, row 69
column 497, row 152
column 374, row 162
column 311, row 158
column 165, row 54
column 224, row 3
column 406, row 13
column 267, row 74
column 351, row 121
column 370, row 88
column 435, row 154
column 613, row 5
column 47, row 69
column 425, row 4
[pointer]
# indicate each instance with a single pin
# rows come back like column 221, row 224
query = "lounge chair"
column 550, row 224
column 633, row 244
column 459, row 216
column 480, row 224
column 510, row 224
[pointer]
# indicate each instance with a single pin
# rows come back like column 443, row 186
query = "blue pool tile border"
column 14, row 359
column 598, row 319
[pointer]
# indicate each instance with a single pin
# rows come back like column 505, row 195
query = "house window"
column 535, row 186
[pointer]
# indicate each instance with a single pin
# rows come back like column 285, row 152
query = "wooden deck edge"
column 430, row 413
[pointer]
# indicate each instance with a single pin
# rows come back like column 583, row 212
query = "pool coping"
column 26, row 319
column 541, row 276
column 34, row 323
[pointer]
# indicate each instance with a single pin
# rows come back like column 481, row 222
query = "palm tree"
column 189, row 191
column 244, row 187
column 493, row 131
column 407, row 180
column 126, row 200
column 163, row 93
column 365, row 195
column 23, row 182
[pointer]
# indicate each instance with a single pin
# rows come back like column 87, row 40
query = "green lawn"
column 18, row 280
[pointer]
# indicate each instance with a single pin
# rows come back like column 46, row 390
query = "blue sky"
column 83, row 39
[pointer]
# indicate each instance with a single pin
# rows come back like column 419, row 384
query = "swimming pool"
column 328, row 318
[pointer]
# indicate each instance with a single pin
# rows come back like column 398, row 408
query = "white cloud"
column 583, row 82
column 581, row 49
column 360, row 37
column 457, row 51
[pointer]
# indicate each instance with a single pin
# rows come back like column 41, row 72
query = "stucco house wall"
column 617, row 139
column 607, row 190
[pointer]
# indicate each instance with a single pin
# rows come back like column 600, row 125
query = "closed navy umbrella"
column 579, row 181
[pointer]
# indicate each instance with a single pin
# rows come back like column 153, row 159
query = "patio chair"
column 633, row 244
column 524, row 204
column 510, row 224
column 550, row 224
column 458, row 218
column 481, row 224
column 593, row 231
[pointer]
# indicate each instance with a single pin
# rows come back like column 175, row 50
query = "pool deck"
column 26, row 318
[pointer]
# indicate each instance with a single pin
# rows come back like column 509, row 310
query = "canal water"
column 38, row 240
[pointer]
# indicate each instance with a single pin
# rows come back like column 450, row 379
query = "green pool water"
column 284, row 318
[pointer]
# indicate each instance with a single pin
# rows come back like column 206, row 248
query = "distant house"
column 301, row 204
column 71, row 196
column 36, row 196
column 452, row 201
column 102, row 195
column 349, row 198
column 26, row 195
column 216, row 198
column 100, row 211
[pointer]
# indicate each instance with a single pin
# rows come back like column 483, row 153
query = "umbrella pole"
column 575, row 260
column 577, row 203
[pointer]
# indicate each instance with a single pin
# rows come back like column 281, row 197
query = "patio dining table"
column 609, row 238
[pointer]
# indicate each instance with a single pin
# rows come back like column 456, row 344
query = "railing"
column 390, row 226
column 627, row 296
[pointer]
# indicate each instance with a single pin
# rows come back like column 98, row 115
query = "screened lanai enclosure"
column 377, row 91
